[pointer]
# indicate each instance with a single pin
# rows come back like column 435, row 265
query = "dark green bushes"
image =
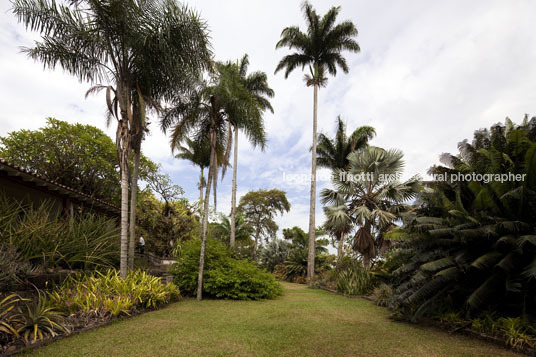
column 225, row 277
column 470, row 245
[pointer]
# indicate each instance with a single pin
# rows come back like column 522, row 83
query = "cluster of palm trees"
column 147, row 53
column 207, row 120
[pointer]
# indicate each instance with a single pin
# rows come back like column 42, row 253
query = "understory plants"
column 44, row 237
column 14, row 268
column 106, row 295
column 29, row 320
column 225, row 276
column 353, row 279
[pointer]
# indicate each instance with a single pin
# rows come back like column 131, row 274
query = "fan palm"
column 320, row 48
column 369, row 192
column 145, row 51
column 333, row 154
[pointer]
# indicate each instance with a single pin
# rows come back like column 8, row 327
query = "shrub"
column 382, row 295
column 107, row 295
column 224, row 276
column 354, row 279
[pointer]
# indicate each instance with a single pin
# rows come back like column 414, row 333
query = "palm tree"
column 256, row 86
column 369, row 192
column 333, row 154
column 198, row 153
column 339, row 224
column 319, row 48
column 243, row 229
column 144, row 50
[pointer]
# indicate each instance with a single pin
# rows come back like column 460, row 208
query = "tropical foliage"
column 243, row 231
column 294, row 266
column 29, row 320
column 225, row 276
column 106, row 295
column 48, row 239
column 470, row 243
column 255, row 87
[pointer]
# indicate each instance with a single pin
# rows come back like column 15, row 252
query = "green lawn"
column 304, row 322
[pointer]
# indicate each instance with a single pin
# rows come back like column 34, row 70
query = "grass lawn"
column 304, row 322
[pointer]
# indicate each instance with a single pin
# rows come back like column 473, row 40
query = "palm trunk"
column 201, row 186
column 124, row 219
column 340, row 248
column 201, row 179
column 254, row 255
column 312, row 237
column 366, row 260
column 133, row 194
column 233, row 194
column 205, row 217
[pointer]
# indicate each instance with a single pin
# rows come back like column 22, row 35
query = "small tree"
column 260, row 208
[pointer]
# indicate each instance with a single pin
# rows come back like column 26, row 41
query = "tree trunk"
column 340, row 248
column 254, row 255
column 312, row 237
column 233, row 194
column 205, row 217
column 133, row 194
column 124, row 219
column 201, row 179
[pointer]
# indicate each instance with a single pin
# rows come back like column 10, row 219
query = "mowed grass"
column 304, row 322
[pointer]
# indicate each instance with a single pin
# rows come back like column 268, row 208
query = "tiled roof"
column 27, row 175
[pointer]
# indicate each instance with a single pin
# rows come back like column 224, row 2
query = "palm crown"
column 320, row 47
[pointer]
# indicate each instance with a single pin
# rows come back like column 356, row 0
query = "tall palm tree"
column 369, row 192
column 333, row 154
column 256, row 86
column 143, row 50
column 320, row 49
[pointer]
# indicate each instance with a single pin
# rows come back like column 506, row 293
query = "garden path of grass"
column 304, row 322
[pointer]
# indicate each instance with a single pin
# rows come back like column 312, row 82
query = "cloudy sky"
column 429, row 73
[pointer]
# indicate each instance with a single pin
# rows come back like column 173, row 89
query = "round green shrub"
column 224, row 277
